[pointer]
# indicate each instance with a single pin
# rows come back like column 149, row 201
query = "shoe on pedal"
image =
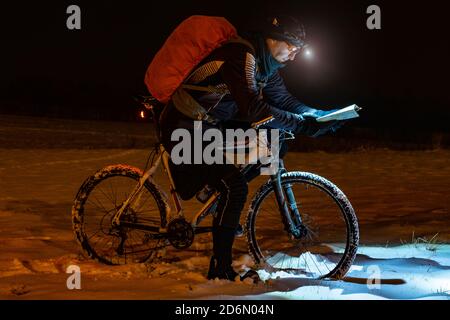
column 226, row 272
column 220, row 270
column 239, row 231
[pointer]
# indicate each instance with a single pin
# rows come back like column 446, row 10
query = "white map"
column 349, row 112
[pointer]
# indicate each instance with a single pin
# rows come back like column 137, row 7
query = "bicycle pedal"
column 251, row 274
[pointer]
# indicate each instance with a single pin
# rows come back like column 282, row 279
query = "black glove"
column 310, row 127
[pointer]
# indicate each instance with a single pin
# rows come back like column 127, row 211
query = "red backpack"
column 192, row 41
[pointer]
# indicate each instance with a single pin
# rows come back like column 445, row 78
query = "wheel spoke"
column 114, row 194
column 142, row 204
column 94, row 234
column 318, row 253
column 95, row 214
column 99, row 206
column 106, row 196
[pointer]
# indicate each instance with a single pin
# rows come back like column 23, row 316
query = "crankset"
column 180, row 233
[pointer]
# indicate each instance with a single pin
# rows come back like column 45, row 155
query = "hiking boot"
column 219, row 269
column 226, row 272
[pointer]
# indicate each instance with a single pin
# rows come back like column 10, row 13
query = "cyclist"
column 249, row 72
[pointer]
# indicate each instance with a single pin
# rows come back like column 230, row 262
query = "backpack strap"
column 213, row 89
column 210, row 89
column 241, row 40
column 188, row 106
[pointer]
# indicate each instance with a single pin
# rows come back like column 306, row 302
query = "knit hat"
column 286, row 28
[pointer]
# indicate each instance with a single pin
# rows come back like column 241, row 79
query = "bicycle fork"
column 287, row 204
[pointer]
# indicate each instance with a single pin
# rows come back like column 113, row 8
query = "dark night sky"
column 402, row 68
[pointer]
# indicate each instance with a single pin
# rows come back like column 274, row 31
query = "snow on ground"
column 406, row 272
column 401, row 199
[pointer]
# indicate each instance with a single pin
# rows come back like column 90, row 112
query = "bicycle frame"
column 285, row 198
column 134, row 198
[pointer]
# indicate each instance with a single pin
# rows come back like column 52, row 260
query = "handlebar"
column 284, row 134
column 256, row 125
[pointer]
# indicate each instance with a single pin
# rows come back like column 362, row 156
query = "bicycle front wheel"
column 97, row 202
column 329, row 245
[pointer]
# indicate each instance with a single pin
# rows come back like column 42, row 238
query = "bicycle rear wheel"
column 96, row 203
column 332, row 234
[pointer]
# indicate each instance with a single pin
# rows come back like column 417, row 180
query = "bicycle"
column 134, row 219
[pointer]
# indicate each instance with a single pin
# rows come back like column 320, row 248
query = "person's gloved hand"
column 310, row 127
column 316, row 113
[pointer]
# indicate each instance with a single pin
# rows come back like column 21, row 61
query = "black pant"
column 191, row 178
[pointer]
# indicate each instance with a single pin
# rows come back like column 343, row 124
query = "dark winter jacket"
column 249, row 96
